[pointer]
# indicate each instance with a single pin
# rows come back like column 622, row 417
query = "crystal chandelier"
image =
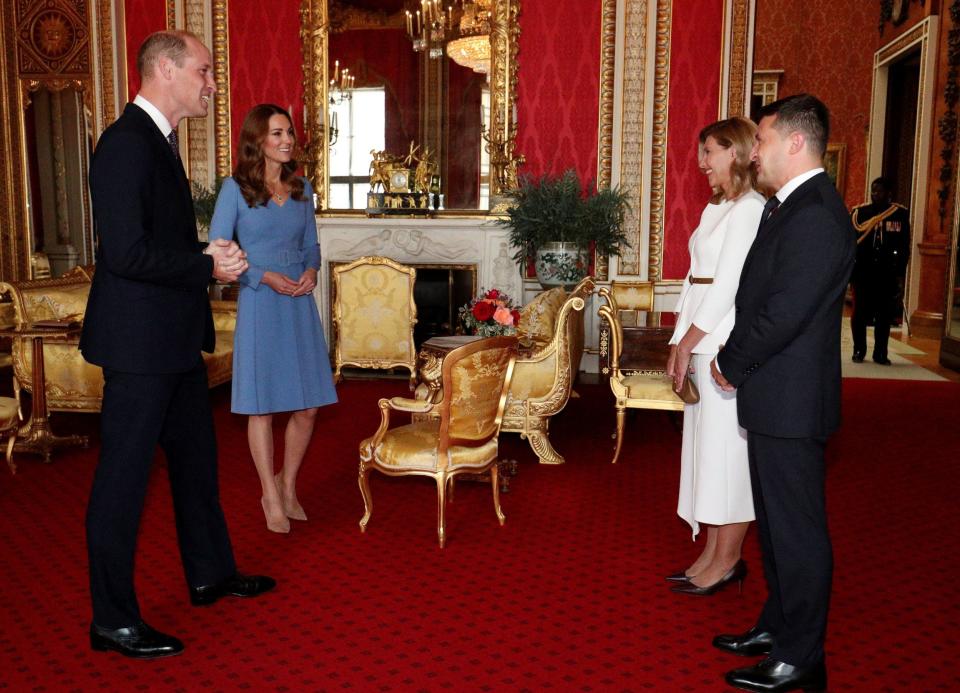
column 472, row 48
column 463, row 26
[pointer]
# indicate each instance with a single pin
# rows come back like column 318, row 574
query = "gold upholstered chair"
column 462, row 435
column 373, row 315
column 638, row 390
column 552, row 324
column 10, row 418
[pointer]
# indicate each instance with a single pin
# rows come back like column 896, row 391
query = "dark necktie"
column 174, row 143
column 768, row 209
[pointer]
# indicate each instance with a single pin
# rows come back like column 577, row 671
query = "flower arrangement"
column 491, row 314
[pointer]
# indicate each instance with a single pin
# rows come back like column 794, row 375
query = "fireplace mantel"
column 447, row 241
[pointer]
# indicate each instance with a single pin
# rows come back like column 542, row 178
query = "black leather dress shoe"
column 858, row 356
column 235, row 586
column 140, row 641
column 750, row 644
column 882, row 360
column 771, row 676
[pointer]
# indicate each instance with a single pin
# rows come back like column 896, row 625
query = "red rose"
column 483, row 311
column 516, row 317
column 493, row 293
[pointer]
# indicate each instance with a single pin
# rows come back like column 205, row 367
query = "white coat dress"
column 714, row 471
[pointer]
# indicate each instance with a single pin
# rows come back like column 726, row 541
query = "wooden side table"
column 35, row 436
column 645, row 347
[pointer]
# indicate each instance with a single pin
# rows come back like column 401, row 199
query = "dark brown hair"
column 803, row 113
column 737, row 133
column 249, row 171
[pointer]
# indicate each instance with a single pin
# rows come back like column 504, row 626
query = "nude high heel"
column 280, row 526
column 294, row 512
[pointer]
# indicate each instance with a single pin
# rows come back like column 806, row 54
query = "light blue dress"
column 280, row 360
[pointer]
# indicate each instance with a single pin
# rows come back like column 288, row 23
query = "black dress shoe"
column 858, row 356
column 772, row 676
column 235, row 586
column 882, row 360
column 750, row 644
column 679, row 577
column 735, row 574
column 140, row 641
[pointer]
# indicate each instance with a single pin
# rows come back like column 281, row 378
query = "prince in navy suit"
column 783, row 358
column 147, row 319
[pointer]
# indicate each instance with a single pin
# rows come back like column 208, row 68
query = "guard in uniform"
column 883, row 250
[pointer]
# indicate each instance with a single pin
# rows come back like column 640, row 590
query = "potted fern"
column 204, row 202
column 554, row 224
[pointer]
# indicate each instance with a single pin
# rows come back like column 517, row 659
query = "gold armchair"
column 543, row 377
column 373, row 315
column 462, row 435
column 72, row 384
column 644, row 390
column 10, row 418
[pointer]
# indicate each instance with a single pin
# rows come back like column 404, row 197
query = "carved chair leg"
column 450, row 487
column 541, row 445
column 621, row 416
column 441, row 510
column 494, row 474
column 10, row 443
column 364, row 480
column 337, row 376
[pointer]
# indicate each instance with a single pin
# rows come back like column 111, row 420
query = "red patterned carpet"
column 567, row 596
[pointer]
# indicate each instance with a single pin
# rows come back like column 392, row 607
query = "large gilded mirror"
column 58, row 142
column 419, row 80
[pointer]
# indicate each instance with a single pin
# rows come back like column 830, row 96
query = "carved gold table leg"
column 35, row 436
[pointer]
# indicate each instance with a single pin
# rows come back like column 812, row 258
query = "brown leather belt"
column 701, row 280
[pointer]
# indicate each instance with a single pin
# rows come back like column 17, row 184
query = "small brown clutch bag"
column 689, row 392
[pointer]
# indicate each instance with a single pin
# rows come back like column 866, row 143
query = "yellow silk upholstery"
column 373, row 315
column 72, row 383
column 460, row 436
column 642, row 390
column 9, row 423
column 632, row 299
column 538, row 318
column 544, row 375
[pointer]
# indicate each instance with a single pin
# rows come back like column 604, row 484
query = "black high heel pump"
column 736, row 574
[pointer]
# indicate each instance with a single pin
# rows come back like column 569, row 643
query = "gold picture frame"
column 835, row 163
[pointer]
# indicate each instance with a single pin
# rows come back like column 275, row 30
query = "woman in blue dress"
column 280, row 361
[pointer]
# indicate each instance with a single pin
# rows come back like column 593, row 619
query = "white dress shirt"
column 155, row 115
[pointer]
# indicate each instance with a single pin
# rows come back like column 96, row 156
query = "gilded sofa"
column 72, row 384
column 552, row 324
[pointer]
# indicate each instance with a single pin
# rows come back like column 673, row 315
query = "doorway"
column 900, row 131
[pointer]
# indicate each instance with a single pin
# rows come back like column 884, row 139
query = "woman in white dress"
column 714, row 473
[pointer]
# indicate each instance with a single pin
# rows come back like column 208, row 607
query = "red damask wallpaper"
column 142, row 18
column 826, row 48
column 694, row 101
column 559, row 86
column 265, row 59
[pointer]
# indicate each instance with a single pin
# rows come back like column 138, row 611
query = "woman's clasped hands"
column 286, row 286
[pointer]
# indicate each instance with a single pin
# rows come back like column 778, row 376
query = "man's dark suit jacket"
column 783, row 354
column 148, row 310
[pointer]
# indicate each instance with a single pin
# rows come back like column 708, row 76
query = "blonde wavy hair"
column 738, row 133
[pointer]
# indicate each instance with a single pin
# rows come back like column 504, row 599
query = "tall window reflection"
column 361, row 126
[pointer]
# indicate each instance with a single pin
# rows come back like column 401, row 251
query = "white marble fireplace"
column 446, row 241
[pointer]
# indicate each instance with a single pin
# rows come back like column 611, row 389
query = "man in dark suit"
column 147, row 319
column 783, row 359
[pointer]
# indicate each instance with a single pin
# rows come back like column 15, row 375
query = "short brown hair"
column 737, row 133
column 802, row 113
column 249, row 171
column 171, row 44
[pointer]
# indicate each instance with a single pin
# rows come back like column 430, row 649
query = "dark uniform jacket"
column 883, row 241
